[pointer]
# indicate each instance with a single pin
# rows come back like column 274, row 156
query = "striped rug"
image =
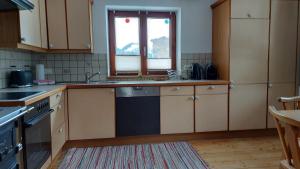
column 177, row 155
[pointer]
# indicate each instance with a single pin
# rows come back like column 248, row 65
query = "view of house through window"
column 142, row 42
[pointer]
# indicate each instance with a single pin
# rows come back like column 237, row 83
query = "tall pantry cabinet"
column 249, row 50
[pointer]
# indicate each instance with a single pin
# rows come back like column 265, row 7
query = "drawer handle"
column 59, row 107
column 249, row 15
column 60, row 130
column 191, row 98
column 177, row 88
column 211, row 87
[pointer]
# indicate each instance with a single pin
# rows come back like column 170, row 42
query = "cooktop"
column 17, row 95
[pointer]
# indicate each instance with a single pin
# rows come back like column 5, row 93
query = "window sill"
column 135, row 77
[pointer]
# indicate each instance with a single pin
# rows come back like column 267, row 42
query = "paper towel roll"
column 40, row 72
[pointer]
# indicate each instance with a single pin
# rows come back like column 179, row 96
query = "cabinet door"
column 91, row 113
column 249, row 51
column 250, row 8
column 43, row 23
column 58, row 140
column 30, row 26
column 248, row 107
column 211, row 112
column 177, row 114
column 79, row 32
column 276, row 91
column 57, row 25
column 283, row 41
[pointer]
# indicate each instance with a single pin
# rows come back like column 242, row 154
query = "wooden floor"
column 239, row 153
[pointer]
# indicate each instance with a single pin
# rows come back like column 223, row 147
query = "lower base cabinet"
column 211, row 108
column 248, row 107
column 91, row 113
column 58, row 140
column 177, row 114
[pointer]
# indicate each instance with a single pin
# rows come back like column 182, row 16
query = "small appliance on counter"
column 207, row 72
column 20, row 78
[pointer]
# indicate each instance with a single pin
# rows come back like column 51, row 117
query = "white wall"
column 196, row 22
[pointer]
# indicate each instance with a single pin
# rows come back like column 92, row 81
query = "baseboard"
column 169, row 138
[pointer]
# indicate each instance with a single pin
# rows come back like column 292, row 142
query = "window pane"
column 127, row 36
column 127, row 44
column 128, row 63
column 158, row 32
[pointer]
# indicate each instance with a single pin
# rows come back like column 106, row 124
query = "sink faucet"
column 88, row 77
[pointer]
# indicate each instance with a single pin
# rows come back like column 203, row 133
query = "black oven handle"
column 37, row 119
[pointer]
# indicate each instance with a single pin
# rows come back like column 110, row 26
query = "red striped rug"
column 177, row 155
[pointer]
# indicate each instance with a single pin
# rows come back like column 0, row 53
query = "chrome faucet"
column 88, row 77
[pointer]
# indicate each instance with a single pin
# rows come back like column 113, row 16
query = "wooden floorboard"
column 237, row 153
column 240, row 153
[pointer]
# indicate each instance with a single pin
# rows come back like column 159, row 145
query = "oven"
column 8, row 146
column 37, row 135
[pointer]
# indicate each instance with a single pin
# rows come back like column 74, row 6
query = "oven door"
column 37, row 140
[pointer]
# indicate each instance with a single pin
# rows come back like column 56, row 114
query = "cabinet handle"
column 211, row 87
column 112, row 90
column 51, row 45
column 249, row 15
column 231, row 86
column 270, row 85
column 60, row 130
column 23, row 39
column 177, row 88
column 59, row 107
column 197, row 97
column 192, row 98
column 88, row 46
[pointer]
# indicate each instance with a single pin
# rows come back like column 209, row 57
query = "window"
column 142, row 42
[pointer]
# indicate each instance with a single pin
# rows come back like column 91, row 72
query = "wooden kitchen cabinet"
column 250, row 8
column 30, row 25
column 248, row 107
column 276, row 91
column 58, row 123
column 211, row 108
column 177, row 114
column 249, row 51
column 283, row 41
column 43, row 23
column 23, row 29
column 91, row 113
column 79, row 27
column 57, row 27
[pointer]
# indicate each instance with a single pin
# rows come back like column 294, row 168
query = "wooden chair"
column 290, row 102
column 288, row 134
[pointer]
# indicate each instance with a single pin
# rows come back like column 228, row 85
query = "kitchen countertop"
column 52, row 89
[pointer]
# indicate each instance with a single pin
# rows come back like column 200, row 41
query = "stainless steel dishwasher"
column 137, row 111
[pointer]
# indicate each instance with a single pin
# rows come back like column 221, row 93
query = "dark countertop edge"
column 108, row 85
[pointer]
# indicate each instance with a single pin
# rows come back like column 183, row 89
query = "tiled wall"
column 11, row 60
column 72, row 67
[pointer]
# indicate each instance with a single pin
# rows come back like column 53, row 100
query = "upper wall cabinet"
column 57, row 28
column 69, row 25
column 250, row 8
column 22, row 29
column 79, row 27
column 30, row 25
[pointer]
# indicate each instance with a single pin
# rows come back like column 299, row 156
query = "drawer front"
column 177, row 90
column 57, row 117
column 58, row 140
column 211, row 89
column 250, row 9
column 55, row 99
